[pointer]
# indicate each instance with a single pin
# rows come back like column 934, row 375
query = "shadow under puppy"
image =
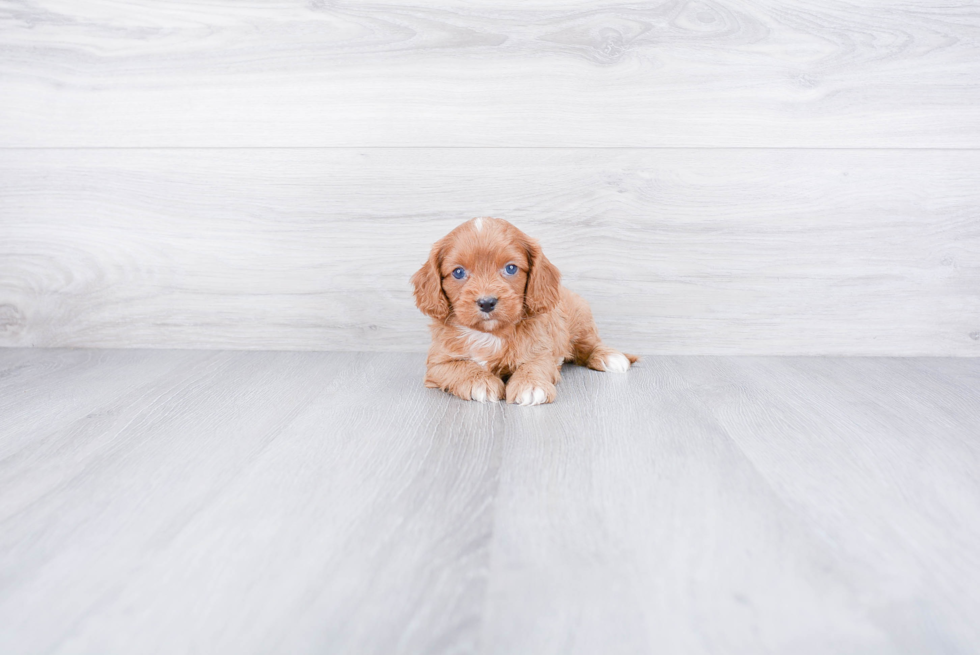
column 500, row 313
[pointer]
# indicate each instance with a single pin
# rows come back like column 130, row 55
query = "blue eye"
column 459, row 272
column 510, row 269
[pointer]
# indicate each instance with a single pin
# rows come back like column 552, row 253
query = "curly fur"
column 516, row 350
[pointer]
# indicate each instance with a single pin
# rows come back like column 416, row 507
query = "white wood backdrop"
column 805, row 73
column 718, row 251
column 715, row 177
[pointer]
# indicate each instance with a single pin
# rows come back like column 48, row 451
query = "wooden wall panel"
column 706, row 73
column 724, row 251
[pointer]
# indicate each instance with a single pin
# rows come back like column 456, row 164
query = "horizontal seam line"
column 847, row 148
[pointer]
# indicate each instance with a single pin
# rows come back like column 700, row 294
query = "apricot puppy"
column 500, row 314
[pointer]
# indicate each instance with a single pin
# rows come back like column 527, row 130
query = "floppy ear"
column 427, row 281
column 543, row 281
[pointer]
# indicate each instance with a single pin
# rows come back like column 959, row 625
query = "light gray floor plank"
column 43, row 391
column 679, row 251
column 310, row 502
column 810, row 73
column 629, row 522
column 255, row 503
column 882, row 458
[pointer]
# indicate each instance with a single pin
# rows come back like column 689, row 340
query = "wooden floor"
column 288, row 502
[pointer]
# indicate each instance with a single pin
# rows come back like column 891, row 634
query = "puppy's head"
column 486, row 275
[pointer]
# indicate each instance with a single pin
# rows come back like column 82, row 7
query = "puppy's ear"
column 429, row 297
column 543, row 281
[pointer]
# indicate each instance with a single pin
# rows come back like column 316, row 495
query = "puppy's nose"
column 487, row 304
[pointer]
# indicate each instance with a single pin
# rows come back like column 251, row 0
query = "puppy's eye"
column 459, row 272
column 510, row 269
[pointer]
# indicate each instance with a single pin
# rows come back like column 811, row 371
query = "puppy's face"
column 486, row 275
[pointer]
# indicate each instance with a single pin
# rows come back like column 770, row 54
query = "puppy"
column 500, row 313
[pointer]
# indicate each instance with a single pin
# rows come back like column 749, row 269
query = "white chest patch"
column 480, row 344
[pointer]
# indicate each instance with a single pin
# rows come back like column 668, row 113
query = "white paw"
column 534, row 396
column 483, row 393
column 616, row 363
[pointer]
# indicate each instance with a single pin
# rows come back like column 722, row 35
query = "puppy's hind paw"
column 609, row 360
column 615, row 363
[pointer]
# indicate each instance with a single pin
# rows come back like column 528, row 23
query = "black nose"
column 487, row 304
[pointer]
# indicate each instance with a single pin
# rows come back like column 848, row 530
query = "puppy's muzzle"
column 486, row 304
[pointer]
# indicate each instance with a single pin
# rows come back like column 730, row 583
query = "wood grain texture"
column 869, row 487
column 327, row 502
column 254, row 495
column 628, row 521
column 289, row 73
column 678, row 251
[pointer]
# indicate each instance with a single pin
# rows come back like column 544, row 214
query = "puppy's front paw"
column 484, row 388
column 530, row 392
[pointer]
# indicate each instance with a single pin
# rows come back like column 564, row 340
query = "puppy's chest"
column 487, row 350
